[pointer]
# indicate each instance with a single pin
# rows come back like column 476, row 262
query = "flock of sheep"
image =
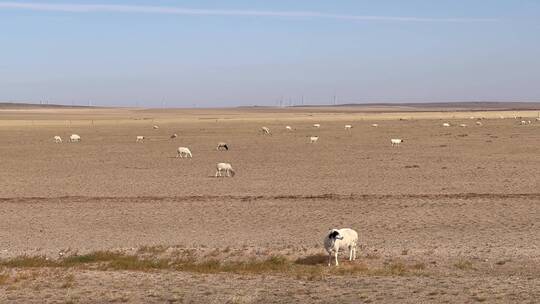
column 335, row 239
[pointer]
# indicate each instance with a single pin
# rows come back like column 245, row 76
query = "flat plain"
column 452, row 215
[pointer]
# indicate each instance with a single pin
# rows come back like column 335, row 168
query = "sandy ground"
column 446, row 195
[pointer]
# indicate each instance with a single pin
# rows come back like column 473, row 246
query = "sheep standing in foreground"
column 336, row 239
column 58, row 139
column 74, row 138
column 222, row 145
column 224, row 167
column 265, row 131
column 396, row 141
column 313, row 139
column 183, row 151
column 348, row 127
column 140, row 139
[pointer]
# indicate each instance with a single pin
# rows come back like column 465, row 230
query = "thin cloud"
column 111, row 8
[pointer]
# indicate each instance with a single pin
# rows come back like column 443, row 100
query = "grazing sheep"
column 348, row 127
column 396, row 141
column 265, row 131
column 446, row 124
column 74, row 138
column 140, row 139
column 313, row 139
column 336, row 239
column 478, row 123
column 463, row 125
column 288, row 128
column 374, row 125
column 537, row 118
column 183, row 151
column 58, row 139
column 222, row 145
column 317, row 125
column 174, row 136
column 224, row 167
column 155, row 127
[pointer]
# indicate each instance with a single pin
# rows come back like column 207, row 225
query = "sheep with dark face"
column 222, row 145
column 396, row 141
column 336, row 239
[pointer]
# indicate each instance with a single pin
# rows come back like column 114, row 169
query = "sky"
column 237, row 53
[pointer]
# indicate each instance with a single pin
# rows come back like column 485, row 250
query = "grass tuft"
column 464, row 265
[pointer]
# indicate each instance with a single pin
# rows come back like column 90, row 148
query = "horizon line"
column 172, row 10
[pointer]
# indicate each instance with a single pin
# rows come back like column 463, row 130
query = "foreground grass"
column 311, row 268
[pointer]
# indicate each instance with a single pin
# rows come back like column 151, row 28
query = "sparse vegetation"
column 310, row 268
column 3, row 279
column 464, row 265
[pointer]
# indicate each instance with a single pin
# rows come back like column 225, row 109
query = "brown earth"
column 461, row 202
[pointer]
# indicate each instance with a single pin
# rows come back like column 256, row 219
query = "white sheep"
column 313, row 139
column 288, row 128
column 222, row 145
column 336, row 239
column 74, row 138
column 183, row 151
column 374, row 125
column 396, row 141
column 463, row 125
column 265, row 131
column 58, row 139
column 537, row 118
column 140, row 139
column 155, row 127
column 523, row 122
column 446, row 124
column 478, row 123
column 317, row 125
column 224, row 167
column 348, row 127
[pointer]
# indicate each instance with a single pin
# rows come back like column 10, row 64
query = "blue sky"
column 229, row 53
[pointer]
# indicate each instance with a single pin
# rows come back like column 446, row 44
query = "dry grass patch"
column 4, row 277
column 316, row 259
column 464, row 265
column 312, row 267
